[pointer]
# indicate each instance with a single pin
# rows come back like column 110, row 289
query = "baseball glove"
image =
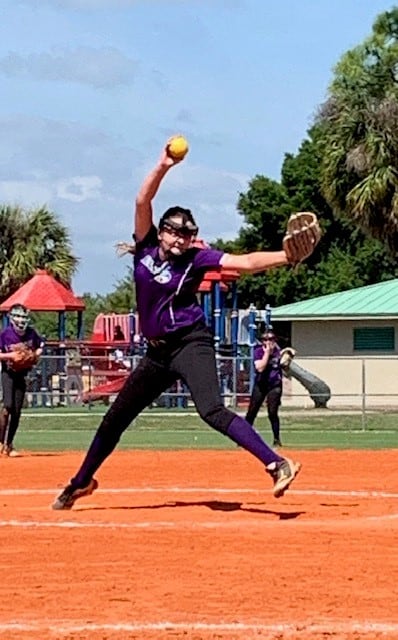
column 24, row 359
column 302, row 235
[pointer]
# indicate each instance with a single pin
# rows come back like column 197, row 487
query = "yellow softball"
column 177, row 147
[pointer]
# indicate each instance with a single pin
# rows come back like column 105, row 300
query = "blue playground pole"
column 252, row 342
column 80, row 326
column 268, row 324
column 217, row 327
column 61, row 337
column 217, row 316
column 234, row 319
column 222, row 318
column 61, row 325
column 207, row 308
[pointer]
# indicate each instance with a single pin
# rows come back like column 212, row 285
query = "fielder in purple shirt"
column 17, row 334
column 267, row 383
column 167, row 272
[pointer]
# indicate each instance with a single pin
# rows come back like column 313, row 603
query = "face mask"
column 19, row 321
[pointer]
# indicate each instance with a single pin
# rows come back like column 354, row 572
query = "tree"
column 358, row 128
column 30, row 240
column 345, row 257
column 122, row 298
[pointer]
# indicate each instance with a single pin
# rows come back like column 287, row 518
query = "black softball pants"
column 260, row 393
column 192, row 359
column 14, row 388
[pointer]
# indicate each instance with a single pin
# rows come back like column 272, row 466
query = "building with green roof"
column 358, row 321
column 348, row 339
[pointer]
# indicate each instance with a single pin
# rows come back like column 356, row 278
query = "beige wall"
column 325, row 349
column 348, row 379
column 332, row 337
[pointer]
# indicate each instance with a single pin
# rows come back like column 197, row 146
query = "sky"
column 92, row 89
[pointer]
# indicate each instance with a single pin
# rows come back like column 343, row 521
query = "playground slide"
column 105, row 389
column 318, row 390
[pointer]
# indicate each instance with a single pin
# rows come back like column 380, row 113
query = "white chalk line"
column 196, row 524
column 212, row 490
column 331, row 626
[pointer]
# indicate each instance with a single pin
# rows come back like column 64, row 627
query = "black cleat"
column 68, row 497
column 277, row 443
column 283, row 474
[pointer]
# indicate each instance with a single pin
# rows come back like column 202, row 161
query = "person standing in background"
column 14, row 339
column 267, row 383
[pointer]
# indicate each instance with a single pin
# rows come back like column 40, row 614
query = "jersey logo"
column 161, row 274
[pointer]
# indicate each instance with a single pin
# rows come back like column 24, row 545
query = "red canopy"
column 43, row 293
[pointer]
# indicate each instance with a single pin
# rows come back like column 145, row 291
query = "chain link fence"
column 361, row 383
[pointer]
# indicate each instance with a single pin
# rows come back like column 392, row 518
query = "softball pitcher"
column 168, row 272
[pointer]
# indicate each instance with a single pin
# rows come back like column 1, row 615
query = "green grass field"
column 65, row 429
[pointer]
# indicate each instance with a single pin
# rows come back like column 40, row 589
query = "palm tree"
column 30, row 240
column 359, row 134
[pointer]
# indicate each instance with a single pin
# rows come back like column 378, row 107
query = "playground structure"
column 318, row 390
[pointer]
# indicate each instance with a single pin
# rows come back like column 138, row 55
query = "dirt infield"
column 192, row 545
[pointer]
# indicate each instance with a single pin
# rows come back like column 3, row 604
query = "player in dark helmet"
column 267, row 383
column 168, row 270
column 16, row 337
column 178, row 222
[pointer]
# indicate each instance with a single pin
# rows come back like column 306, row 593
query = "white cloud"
column 79, row 188
column 100, row 68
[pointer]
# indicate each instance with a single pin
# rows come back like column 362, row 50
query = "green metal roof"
column 373, row 301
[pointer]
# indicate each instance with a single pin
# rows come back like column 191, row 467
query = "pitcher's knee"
column 218, row 417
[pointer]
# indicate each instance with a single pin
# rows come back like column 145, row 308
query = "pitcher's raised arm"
column 143, row 218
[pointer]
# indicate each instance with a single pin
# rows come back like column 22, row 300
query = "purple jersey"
column 10, row 340
column 166, row 290
column 272, row 374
